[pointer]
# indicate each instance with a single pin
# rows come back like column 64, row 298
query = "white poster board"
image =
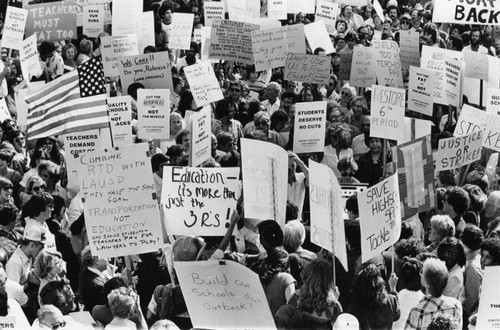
column 387, row 113
column 363, row 67
column 476, row 65
column 310, row 127
column 458, row 151
column 493, row 101
column 180, row 34
column 114, row 48
column 307, row 68
column 317, row 36
column 120, row 118
column 295, row 37
column 153, row 113
column 488, row 316
column 30, row 58
column 276, row 9
column 231, row 40
column 466, row 12
column 420, row 90
column 388, row 63
column 409, row 42
column 327, row 12
column 201, row 143
column 203, row 83
column 472, row 119
column 452, row 81
column 269, row 48
column 126, row 16
column 13, row 30
column 93, row 20
column 213, row 10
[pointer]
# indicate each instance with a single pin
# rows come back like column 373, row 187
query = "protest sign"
column 265, row 175
column 295, row 38
column 113, row 48
column 153, row 113
column 318, row 37
column 199, row 201
column 276, row 9
column 93, row 20
column 120, row 119
column 358, row 3
column 300, row 6
column 345, row 66
column 476, row 65
column 221, row 295
column 364, row 73
column 493, row 101
column 466, row 12
column 420, row 90
column 269, row 49
column 310, row 126
column 152, row 70
column 459, row 151
column 379, row 11
column 201, row 142
column 416, row 128
column 126, row 17
column 206, row 32
column 387, row 113
column 307, row 68
column 21, row 105
column 327, row 12
column 379, row 217
column 83, row 3
column 118, row 194
column 203, row 83
column 243, row 8
column 146, row 30
column 213, row 10
column 232, row 41
column 489, row 303
column 388, row 63
column 10, row 322
column 415, row 168
column 452, row 81
column 409, row 43
column 180, row 34
column 52, row 21
column 433, row 59
column 472, row 119
column 4, row 111
column 13, row 31
column 30, row 59
column 327, row 223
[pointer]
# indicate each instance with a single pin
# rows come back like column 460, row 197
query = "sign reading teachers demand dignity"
column 118, row 194
column 223, row 295
column 199, row 201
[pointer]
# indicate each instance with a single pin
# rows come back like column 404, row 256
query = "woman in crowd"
column 294, row 237
column 102, row 313
column 225, row 121
column 441, row 227
column 16, row 142
column 370, row 164
column 49, row 266
column 69, row 54
column 6, row 191
column 358, row 108
column 35, row 212
column 477, row 202
column 34, row 185
column 340, row 140
column 306, row 94
column 409, row 274
column 126, row 311
column 451, row 251
column 176, row 124
column 86, row 51
column 175, row 94
column 51, row 174
column 50, row 146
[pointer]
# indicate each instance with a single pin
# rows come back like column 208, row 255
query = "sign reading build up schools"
column 118, row 193
column 388, row 111
column 310, row 122
column 379, row 217
column 220, row 295
column 459, row 151
column 483, row 12
column 52, row 21
column 327, row 223
column 232, row 41
column 199, row 201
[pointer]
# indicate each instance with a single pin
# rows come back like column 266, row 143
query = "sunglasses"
column 261, row 123
column 8, row 188
column 37, row 188
column 345, row 93
column 56, row 326
column 405, row 22
column 348, row 174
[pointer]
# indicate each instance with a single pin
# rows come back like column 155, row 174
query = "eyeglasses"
column 55, row 326
column 37, row 188
column 8, row 188
column 405, row 22
column 345, row 94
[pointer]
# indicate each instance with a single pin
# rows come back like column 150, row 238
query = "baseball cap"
column 35, row 234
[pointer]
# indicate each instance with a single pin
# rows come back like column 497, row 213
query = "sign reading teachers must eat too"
column 118, row 193
column 199, row 201
column 221, row 295
column 379, row 217
column 310, row 123
column 307, row 68
column 387, row 114
column 52, row 21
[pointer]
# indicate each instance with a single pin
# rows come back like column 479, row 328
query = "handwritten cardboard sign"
column 310, row 126
column 379, row 217
column 466, row 12
column 222, row 295
column 213, row 10
column 30, row 58
column 182, row 27
column 93, row 20
column 126, row 17
column 476, row 65
column 472, row 119
column 152, row 70
column 52, row 21
column 120, row 119
column 118, row 193
column 488, row 316
column 264, row 169
column 13, row 31
column 388, row 111
column 153, row 113
column 326, row 211
column 269, row 48
column 420, row 90
column 409, row 43
column 388, row 63
column 201, row 143
column 459, row 151
column 307, row 68
column 363, row 70
column 199, row 201
column 232, row 41
column 203, row 83
column 317, row 36
column 114, row 48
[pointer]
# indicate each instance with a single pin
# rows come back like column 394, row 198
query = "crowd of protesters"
column 47, row 269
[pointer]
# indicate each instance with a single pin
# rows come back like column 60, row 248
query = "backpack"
column 169, row 300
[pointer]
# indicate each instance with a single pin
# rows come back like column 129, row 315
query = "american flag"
column 74, row 102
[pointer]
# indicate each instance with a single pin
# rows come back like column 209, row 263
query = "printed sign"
column 201, row 142
column 379, row 217
column 459, row 151
column 269, row 49
column 118, row 193
column 276, row 9
column 328, row 13
column 52, row 21
column 219, row 295
column 409, row 43
column 203, row 83
column 310, row 127
column 420, row 90
column 327, row 223
column 152, row 70
column 452, row 81
column 466, row 12
column 388, row 63
column 30, row 59
column 199, row 201
column 493, row 101
column 153, row 113
column 13, row 31
column 232, row 41
column 120, row 118
column 93, row 20
column 9, row 322
column 489, row 303
column 182, row 28
column 317, row 36
column 388, row 111
column 213, row 10
column 114, row 48
column 364, row 73
column 307, row 68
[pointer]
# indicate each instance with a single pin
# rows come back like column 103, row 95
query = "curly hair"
column 122, row 302
column 477, row 197
column 8, row 214
column 452, row 252
column 410, row 273
column 368, row 288
column 59, row 294
column 316, row 292
column 409, row 247
column 472, row 236
column 492, row 245
column 45, row 261
column 275, row 262
column 342, row 134
column 458, row 199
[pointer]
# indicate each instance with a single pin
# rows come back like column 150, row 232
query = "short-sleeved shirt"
column 422, row 314
column 18, row 267
column 297, row 192
column 275, row 290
